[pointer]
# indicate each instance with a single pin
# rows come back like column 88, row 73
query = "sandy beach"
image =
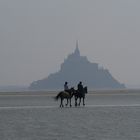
column 33, row 115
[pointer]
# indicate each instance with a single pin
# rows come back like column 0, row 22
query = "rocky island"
column 77, row 68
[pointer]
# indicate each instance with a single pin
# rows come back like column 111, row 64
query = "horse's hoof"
column 70, row 105
column 83, row 104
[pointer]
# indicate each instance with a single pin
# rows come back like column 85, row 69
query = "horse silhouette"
column 65, row 95
column 80, row 95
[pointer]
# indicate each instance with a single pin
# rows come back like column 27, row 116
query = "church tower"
column 77, row 52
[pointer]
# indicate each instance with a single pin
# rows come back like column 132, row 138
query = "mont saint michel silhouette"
column 77, row 68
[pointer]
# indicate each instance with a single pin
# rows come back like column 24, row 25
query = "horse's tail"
column 57, row 96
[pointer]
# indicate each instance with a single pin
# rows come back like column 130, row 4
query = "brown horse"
column 65, row 95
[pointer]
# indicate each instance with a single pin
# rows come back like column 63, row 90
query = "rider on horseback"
column 80, row 88
column 66, row 88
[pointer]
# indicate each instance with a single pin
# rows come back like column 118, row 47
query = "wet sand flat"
column 37, row 116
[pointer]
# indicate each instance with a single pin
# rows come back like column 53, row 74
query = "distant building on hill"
column 77, row 68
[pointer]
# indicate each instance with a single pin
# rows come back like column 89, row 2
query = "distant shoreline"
column 54, row 92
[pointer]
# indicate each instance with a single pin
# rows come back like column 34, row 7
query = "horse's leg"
column 67, row 101
column 61, row 105
column 83, row 101
column 70, row 102
column 79, row 101
column 75, row 101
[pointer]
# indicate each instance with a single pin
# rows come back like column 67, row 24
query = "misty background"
column 37, row 35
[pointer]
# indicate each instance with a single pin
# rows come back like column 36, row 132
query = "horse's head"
column 72, row 89
column 85, row 89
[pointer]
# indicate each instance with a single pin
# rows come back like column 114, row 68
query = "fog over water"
column 36, row 37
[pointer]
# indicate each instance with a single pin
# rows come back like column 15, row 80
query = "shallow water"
column 105, row 117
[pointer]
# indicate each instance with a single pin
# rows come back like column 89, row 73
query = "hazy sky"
column 36, row 36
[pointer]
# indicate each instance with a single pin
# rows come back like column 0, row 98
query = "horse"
column 79, row 95
column 65, row 95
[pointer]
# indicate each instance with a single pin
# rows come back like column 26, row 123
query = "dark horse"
column 65, row 95
column 80, row 95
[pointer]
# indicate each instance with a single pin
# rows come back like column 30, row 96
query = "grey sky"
column 36, row 36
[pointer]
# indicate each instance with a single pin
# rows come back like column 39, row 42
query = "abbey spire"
column 77, row 52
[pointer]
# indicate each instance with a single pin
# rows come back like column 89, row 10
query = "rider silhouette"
column 66, row 88
column 80, row 87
